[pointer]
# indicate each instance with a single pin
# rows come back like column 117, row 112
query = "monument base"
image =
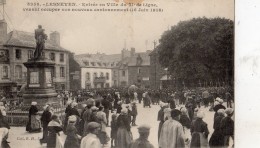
column 40, row 87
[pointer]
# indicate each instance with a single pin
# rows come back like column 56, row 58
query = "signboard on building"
column 145, row 78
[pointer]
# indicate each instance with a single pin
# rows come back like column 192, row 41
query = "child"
column 113, row 130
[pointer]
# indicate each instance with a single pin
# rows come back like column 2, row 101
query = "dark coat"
column 53, row 129
column 72, row 140
column 185, row 121
column 45, row 118
column 134, row 110
column 227, row 126
column 198, row 126
column 123, row 121
column 217, row 138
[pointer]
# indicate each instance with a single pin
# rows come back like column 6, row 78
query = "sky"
column 110, row 32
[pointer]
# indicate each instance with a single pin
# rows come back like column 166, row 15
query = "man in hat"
column 142, row 141
column 91, row 140
column 172, row 135
column 227, row 126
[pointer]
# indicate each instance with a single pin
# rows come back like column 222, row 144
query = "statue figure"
column 40, row 37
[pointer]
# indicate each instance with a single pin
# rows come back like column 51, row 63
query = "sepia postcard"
column 117, row 73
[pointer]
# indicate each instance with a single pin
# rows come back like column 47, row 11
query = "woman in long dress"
column 199, row 131
column 124, row 135
column 34, row 124
column 54, row 127
column 217, row 138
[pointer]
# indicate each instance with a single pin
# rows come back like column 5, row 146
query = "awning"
column 165, row 78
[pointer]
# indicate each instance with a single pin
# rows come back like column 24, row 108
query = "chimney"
column 3, row 31
column 55, row 38
column 132, row 52
column 123, row 53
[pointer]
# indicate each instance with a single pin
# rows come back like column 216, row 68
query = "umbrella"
column 132, row 88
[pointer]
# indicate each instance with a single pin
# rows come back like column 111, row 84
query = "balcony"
column 99, row 79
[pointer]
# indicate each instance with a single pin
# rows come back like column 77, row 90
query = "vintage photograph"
column 117, row 74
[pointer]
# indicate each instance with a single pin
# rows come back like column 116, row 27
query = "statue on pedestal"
column 40, row 37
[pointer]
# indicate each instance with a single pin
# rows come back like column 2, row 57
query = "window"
column 87, row 76
column 18, row 54
column 139, row 70
column 52, row 56
column 53, row 71
column 94, row 75
column 62, row 72
column 101, row 74
column 93, row 64
column 30, row 54
column 99, row 64
column 107, row 76
column 18, row 72
column 123, row 73
column 61, row 57
column 5, row 71
column 86, row 63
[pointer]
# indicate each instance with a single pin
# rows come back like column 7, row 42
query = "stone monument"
column 40, row 86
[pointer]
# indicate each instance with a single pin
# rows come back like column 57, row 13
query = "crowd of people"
column 180, row 119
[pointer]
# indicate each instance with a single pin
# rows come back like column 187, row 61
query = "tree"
column 199, row 49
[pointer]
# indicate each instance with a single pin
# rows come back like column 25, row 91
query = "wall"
column 144, row 75
column 24, row 58
column 123, row 78
column 92, row 71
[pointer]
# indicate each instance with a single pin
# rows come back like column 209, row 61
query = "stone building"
column 139, row 69
column 17, row 47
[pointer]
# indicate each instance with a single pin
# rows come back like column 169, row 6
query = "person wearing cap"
column 45, row 119
column 142, row 141
column 72, row 139
column 91, row 140
column 34, row 124
column 54, row 127
column 227, row 126
column 199, row 131
column 124, row 135
column 172, row 135
column 217, row 137
column 218, row 106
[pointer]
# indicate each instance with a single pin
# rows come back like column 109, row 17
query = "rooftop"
column 26, row 39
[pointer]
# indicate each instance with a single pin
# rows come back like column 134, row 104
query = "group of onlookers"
column 185, row 127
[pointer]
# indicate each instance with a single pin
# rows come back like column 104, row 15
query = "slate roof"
column 26, row 39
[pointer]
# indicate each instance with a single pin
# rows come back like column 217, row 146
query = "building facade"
column 139, row 70
column 18, row 47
